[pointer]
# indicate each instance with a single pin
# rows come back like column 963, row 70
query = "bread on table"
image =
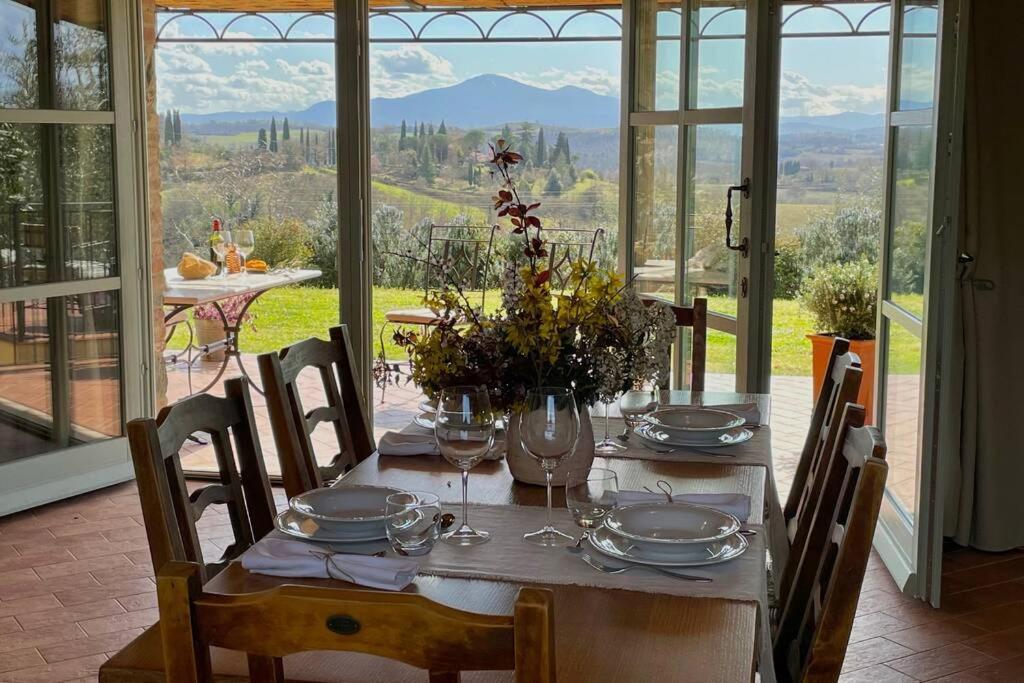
column 193, row 267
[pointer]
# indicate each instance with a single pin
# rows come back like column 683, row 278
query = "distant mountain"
column 849, row 121
column 489, row 101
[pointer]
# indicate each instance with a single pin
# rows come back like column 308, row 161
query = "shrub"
column 844, row 235
column 908, row 250
column 281, row 242
column 324, row 226
column 842, row 298
column 789, row 272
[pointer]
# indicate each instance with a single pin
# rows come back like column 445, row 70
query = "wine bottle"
column 216, row 249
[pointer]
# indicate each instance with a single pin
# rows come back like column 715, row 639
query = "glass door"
column 690, row 154
column 916, row 282
column 71, row 359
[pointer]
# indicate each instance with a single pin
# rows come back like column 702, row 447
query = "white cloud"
column 799, row 96
column 405, row 69
column 590, row 78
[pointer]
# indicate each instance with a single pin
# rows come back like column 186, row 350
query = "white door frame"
column 33, row 481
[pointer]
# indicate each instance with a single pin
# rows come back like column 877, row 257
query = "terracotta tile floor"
column 76, row 583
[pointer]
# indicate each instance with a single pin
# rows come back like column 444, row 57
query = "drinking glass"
column 464, row 429
column 220, row 248
column 590, row 494
column 245, row 241
column 634, row 405
column 549, row 427
column 608, row 445
column 413, row 521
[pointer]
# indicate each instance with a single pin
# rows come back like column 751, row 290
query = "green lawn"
column 288, row 314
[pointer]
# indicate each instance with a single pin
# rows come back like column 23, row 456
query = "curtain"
column 985, row 499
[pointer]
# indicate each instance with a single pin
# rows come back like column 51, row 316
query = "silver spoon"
column 619, row 570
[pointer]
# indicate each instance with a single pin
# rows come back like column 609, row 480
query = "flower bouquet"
column 592, row 333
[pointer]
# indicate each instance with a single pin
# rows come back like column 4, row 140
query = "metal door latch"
column 743, row 247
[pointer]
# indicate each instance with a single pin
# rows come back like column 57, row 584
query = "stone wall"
column 156, row 227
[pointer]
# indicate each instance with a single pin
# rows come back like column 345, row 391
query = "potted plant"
column 843, row 299
column 210, row 325
column 593, row 334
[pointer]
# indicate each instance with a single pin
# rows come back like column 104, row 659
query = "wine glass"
column 608, row 445
column 634, row 405
column 220, row 248
column 590, row 494
column 464, row 429
column 245, row 241
column 549, row 427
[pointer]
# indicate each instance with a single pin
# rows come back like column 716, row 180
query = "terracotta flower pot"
column 527, row 470
column 210, row 332
column 821, row 348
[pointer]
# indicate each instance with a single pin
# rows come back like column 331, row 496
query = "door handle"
column 743, row 247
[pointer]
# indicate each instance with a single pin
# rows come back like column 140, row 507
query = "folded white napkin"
column 285, row 557
column 735, row 504
column 416, row 443
column 748, row 411
column 402, row 443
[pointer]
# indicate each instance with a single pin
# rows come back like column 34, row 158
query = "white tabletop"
column 182, row 292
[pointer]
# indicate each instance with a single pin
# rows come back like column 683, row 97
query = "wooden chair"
column 838, row 388
column 293, row 425
column 169, row 510
column 696, row 318
column 401, row 626
column 816, row 614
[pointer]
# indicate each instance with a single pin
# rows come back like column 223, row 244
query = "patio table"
column 601, row 634
column 181, row 294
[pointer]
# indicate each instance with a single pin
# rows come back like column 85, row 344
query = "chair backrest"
column 462, row 252
column 293, row 423
column 816, row 614
column 402, row 626
column 566, row 247
column 169, row 510
column 838, row 388
column 696, row 318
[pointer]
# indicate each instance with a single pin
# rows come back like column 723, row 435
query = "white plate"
column 691, row 555
column 425, row 420
column 666, row 439
column 694, row 423
column 427, row 406
column 658, row 524
column 300, row 526
column 344, row 507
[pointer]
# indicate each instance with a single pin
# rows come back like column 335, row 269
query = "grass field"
column 286, row 315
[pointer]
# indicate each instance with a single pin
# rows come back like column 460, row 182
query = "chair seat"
column 412, row 316
column 306, row 667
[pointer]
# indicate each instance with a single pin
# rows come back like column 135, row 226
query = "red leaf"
column 516, row 222
column 503, row 212
column 533, row 221
column 505, row 195
column 542, row 277
column 513, row 211
column 533, row 206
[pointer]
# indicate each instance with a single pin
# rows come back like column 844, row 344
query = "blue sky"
column 820, row 76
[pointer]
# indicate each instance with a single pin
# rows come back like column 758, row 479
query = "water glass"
column 413, row 521
column 464, row 429
column 634, row 405
column 549, row 427
column 590, row 494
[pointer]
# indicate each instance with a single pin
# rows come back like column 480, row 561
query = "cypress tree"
column 402, row 142
column 540, row 156
column 168, row 129
column 273, row 134
column 471, row 175
column 261, row 139
column 423, row 130
column 430, row 130
column 177, row 127
column 307, row 148
column 441, row 130
column 285, row 132
column 506, row 134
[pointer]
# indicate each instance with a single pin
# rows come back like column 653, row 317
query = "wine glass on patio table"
column 245, row 240
column 549, row 427
column 464, row 429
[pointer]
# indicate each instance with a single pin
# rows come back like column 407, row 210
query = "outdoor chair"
column 696, row 318
column 567, row 247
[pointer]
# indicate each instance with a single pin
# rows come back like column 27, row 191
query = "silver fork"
column 619, row 570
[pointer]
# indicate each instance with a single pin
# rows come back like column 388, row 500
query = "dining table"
column 615, row 628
